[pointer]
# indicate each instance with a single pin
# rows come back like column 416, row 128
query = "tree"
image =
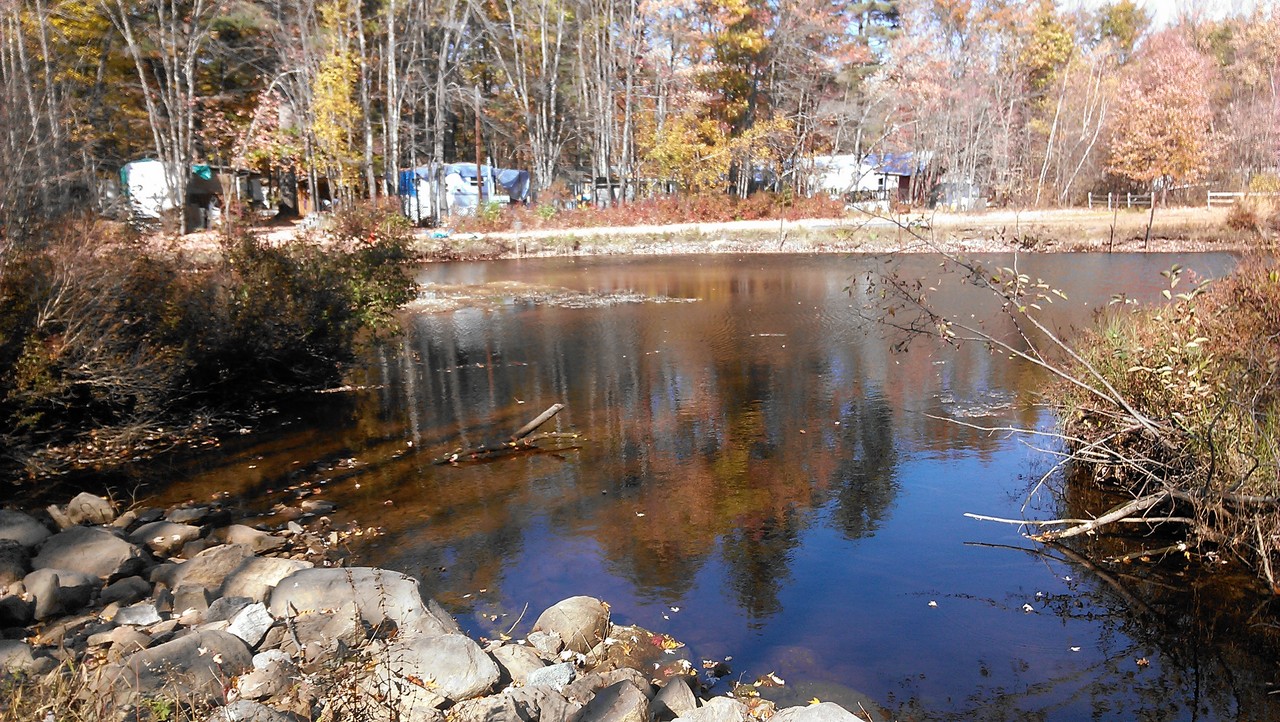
column 1164, row 127
column 166, row 39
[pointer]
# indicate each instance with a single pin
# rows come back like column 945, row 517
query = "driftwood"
column 1118, row 514
column 519, row 441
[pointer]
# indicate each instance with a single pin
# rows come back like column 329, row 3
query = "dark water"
column 763, row 461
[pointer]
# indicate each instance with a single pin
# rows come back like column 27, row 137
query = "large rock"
column 195, row 667
column 379, row 594
column 676, row 699
column 251, row 623
column 165, row 537
column 822, row 712
column 719, row 709
column 88, row 508
column 22, row 528
column 517, row 703
column 516, row 661
column 457, row 666
column 59, row 591
column 585, row 687
column 138, row 615
column 16, row 657
column 125, row 591
column 557, row 676
column 90, row 550
column 619, row 702
column 15, row 561
column 258, row 541
column 582, row 622
column 273, row 673
column 208, row 569
column 257, row 576
column 249, row 711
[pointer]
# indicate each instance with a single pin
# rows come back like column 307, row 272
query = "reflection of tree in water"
column 757, row 555
column 864, row 479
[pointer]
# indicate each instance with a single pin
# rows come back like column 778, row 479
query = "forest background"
column 1036, row 104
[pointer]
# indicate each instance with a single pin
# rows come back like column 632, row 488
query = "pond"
column 759, row 472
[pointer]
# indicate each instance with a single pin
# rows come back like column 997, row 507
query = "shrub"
column 1203, row 370
column 104, row 340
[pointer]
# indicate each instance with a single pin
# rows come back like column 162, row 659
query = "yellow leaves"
column 336, row 113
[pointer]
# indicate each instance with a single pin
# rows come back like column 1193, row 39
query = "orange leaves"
column 1164, row 126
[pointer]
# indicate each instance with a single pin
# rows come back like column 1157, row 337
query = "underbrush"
column 704, row 208
column 106, row 344
column 1201, row 374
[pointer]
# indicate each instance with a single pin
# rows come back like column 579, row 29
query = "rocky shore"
column 181, row 614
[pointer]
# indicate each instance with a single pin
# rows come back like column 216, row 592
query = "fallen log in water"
column 519, row 441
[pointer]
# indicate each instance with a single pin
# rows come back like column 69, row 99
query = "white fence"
column 1120, row 200
column 1217, row 199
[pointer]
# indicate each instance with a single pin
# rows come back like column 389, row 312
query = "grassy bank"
column 1200, row 378
column 108, row 345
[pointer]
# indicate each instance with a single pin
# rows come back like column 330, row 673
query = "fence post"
column 1090, row 200
column 1128, row 199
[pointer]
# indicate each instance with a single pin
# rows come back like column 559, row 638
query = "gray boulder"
column 379, row 594
column 194, row 667
column 249, row 711
column 822, row 712
column 16, row 657
column 88, row 508
column 208, row 569
column 22, row 528
column 719, row 709
column 15, row 561
column 273, row 673
column 125, row 591
column 59, row 591
column 556, row 676
column 251, row 623
column 258, row 541
column 257, row 576
column 164, row 537
column 517, row 703
column 548, row 644
column 224, row 608
column 516, row 661
column 458, row 667
column 619, row 702
column 138, row 615
column 582, row 622
column 676, row 699
column 91, row 550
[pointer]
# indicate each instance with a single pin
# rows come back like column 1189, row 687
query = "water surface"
column 759, row 473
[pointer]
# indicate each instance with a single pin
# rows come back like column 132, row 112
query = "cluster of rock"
column 230, row 623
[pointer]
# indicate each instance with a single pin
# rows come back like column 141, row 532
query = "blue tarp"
column 895, row 163
column 514, row 182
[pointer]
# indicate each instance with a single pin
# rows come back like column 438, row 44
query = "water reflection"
column 762, row 460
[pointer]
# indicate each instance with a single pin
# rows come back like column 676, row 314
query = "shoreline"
column 185, row 614
column 1175, row 230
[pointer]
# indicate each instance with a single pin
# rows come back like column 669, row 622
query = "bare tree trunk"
column 366, row 109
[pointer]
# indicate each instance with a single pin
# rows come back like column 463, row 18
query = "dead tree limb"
column 519, row 441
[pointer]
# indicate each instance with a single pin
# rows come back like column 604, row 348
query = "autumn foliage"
column 1164, row 126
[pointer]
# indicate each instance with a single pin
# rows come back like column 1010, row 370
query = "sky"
column 1165, row 12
